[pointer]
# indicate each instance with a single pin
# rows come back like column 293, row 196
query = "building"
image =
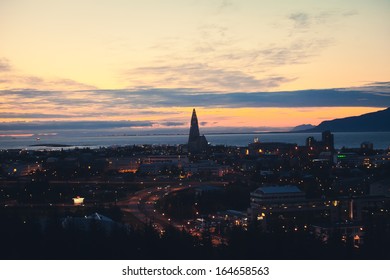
column 326, row 143
column 207, row 168
column 123, row 164
column 270, row 148
column 271, row 195
column 350, row 160
column 346, row 231
column 156, row 165
column 367, row 146
column 274, row 198
column 288, row 206
column 196, row 143
column 311, row 142
column 78, row 200
column 171, row 160
column 328, row 140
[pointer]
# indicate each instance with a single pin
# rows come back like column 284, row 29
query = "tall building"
column 196, row 143
column 328, row 140
column 311, row 142
column 367, row 146
column 326, row 143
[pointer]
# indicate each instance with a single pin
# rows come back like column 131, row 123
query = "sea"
column 380, row 140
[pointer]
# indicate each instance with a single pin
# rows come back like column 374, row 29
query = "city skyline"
column 145, row 64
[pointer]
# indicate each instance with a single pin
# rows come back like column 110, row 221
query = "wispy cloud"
column 4, row 65
column 141, row 109
column 12, row 115
column 172, row 123
column 217, row 61
column 51, row 125
column 11, row 78
column 304, row 20
column 203, row 75
column 301, row 20
column 224, row 4
column 298, row 52
column 350, row 13
column 127, row 102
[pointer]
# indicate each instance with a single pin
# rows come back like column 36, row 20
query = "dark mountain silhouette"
column 302, row 127
column 376, row 121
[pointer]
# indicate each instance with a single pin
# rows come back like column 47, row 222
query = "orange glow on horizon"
column 276, row 117
column 17, row 135
column 210, row 117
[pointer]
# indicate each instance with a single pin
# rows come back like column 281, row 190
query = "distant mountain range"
column 376, row 121
column 302, row 127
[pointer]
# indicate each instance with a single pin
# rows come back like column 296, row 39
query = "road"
column 142, row 206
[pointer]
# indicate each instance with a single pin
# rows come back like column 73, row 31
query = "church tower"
column 194, row 128
column 196, row 143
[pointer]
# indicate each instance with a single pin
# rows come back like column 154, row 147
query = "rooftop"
column 278, row 189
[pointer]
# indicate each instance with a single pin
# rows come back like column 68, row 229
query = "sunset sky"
column 143, row 64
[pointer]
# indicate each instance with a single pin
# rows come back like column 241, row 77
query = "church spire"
column 194, row 128
column 196, row 143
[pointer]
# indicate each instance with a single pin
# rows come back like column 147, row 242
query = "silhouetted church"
column 196, row 143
